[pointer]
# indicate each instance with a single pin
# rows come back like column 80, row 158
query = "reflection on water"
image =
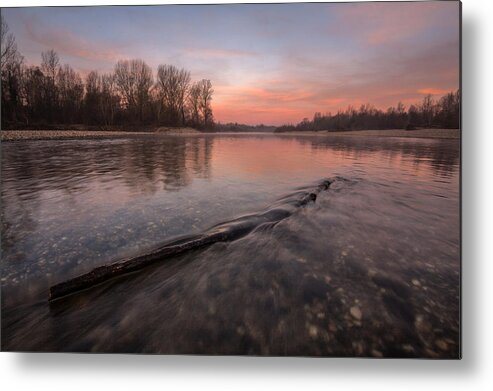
column 378, row 252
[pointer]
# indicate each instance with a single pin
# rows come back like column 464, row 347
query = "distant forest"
column 51, row 95
column 442, row 113
column 236, row 127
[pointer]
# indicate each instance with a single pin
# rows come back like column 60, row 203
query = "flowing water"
column 371, row 267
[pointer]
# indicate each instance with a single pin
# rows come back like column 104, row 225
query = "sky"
column 268, row 63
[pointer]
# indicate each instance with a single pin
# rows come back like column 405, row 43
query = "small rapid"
column 223, row 232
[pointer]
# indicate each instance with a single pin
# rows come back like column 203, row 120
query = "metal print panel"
column 256, row 179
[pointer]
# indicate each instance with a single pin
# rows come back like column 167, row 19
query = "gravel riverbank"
column 16, row 135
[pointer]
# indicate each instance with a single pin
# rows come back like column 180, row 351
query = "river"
column 371, row 267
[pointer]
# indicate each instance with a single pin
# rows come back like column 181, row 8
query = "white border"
column 119, row 372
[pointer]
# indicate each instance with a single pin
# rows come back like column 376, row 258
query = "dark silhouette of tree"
column 413, row 118
column 101, row 100
column 70, row 92
column 49, row 64
column 92, row 99
column 8, row 46
column 205, row 100
column 11, row 75
column 134, row 81
column 173, row 85
column 33, row 93
column 110, row 101
column 194, row 104
column 49, row 67
column 448, row 110
column 427, row 111
column 236, row 127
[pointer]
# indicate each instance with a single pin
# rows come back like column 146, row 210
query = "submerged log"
column 225, row 232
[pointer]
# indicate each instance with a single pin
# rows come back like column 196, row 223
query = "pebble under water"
column 370, row 268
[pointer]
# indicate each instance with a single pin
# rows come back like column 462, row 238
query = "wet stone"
column 313, row 331
column 356, row 312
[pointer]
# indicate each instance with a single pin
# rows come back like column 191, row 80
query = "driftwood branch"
column 220, row 233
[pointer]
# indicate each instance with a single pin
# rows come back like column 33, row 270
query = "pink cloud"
column 67, row 43
column 382, row 23
column 217, row 53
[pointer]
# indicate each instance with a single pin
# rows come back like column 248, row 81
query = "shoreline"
column 450, row 134
column 25, row 135
column 32, row 135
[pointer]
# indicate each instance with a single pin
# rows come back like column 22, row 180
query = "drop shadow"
column 470, row 195
column 290, row 367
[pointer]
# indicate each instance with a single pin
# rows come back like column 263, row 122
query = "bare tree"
column 32, row 92
column 448, row 110
column 206, row 92
column 173, row 85
column 49, row 66
column 8, row 45
column 427, row 110
column 50, row 63
column 92, row 83
column 70, row 92
column 109, row 99
column 11, row 74
column 134, row 80
column 92, row 98
column 101, row 99
column 194, row 103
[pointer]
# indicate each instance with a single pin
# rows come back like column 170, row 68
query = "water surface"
column 370, row 268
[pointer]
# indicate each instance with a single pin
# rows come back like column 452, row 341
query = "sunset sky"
column 269, row 64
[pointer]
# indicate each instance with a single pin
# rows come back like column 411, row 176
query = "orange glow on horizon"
column 254, row 106
column 432, row 91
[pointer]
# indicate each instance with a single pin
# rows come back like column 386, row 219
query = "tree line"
column 52, row 94
column 430, row 113
column 241, row 128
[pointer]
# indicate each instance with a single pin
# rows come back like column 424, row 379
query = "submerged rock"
column 356, row 312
